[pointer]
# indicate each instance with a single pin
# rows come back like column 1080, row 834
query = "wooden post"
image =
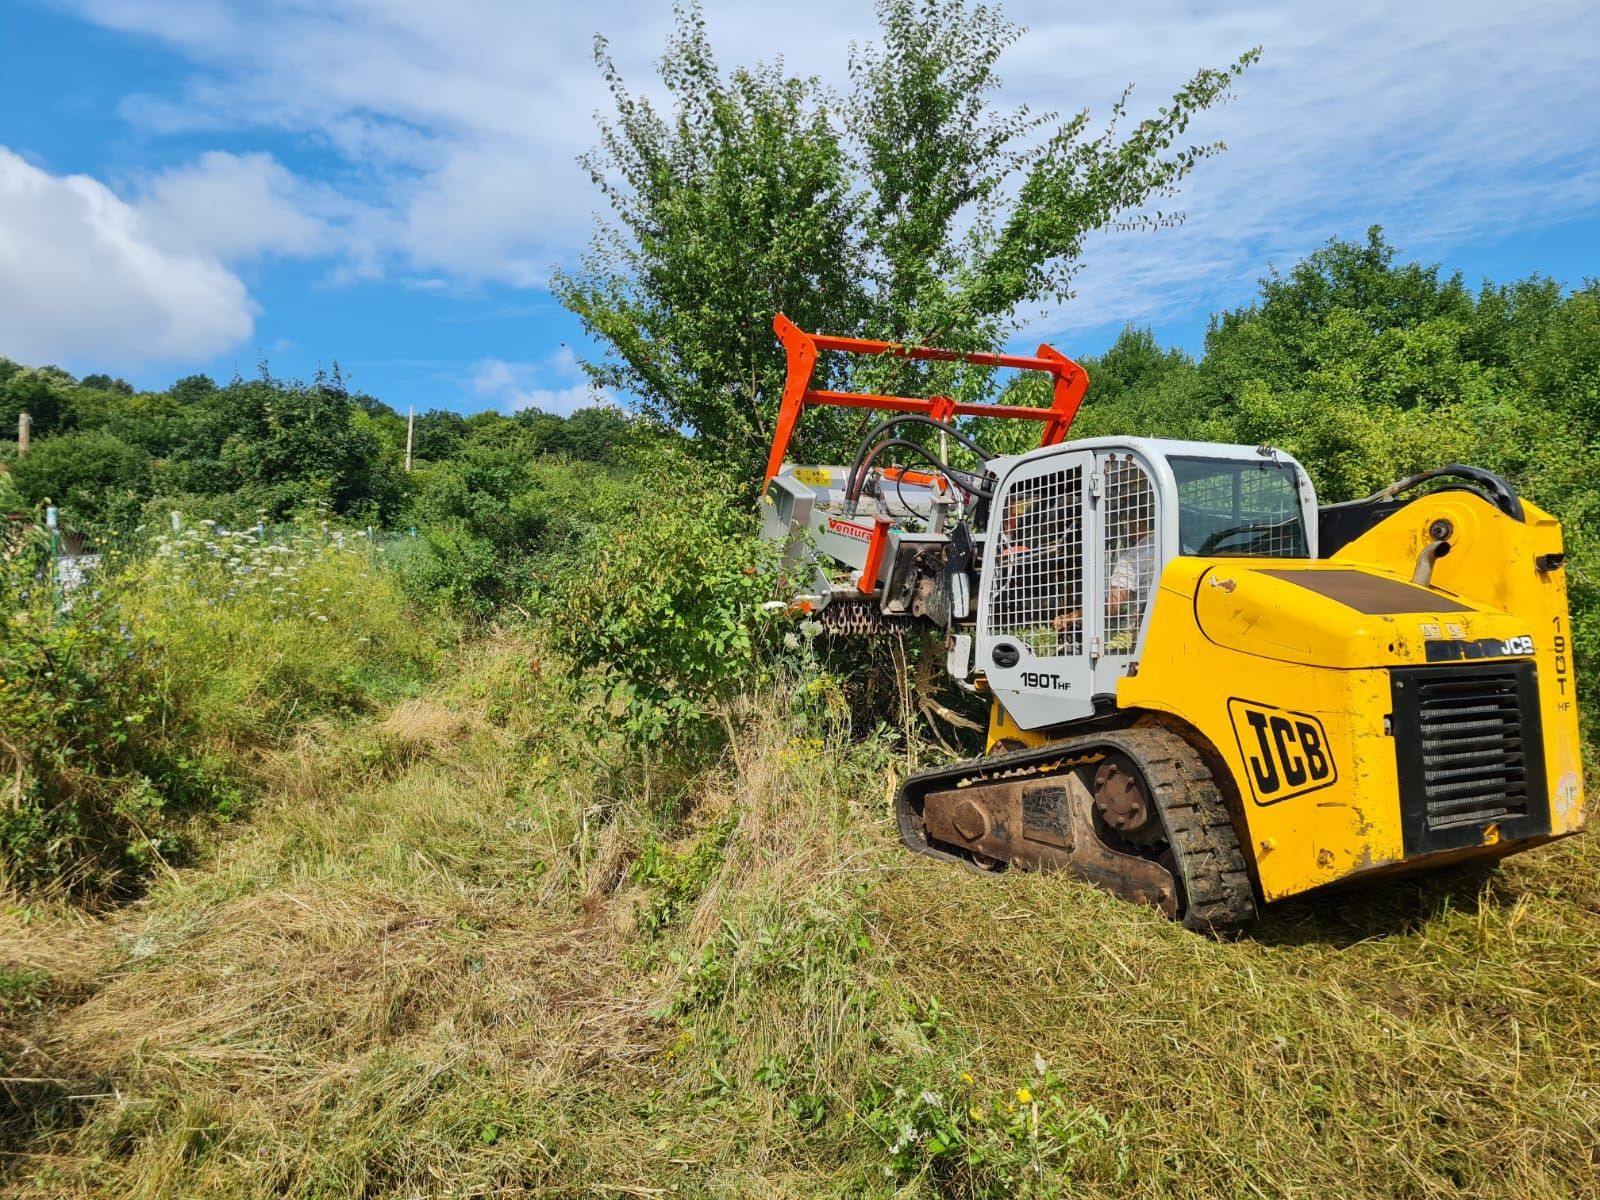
column 411, row 424
column 24, row 424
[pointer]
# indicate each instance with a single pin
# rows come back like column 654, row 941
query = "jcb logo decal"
column 1285, row 753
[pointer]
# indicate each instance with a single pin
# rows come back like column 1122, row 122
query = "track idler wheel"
column 1122, row 801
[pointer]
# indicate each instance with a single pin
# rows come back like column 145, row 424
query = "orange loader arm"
column 1071, row 381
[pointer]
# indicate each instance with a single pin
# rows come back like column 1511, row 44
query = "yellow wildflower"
column 1024, row 1096
column 966, row 1077
column 977, row 1115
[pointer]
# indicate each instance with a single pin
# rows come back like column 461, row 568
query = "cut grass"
column 430, row 967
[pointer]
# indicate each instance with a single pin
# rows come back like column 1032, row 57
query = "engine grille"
column 1471, row 753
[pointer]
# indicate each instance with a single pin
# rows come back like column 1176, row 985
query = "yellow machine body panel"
column 1288, row 668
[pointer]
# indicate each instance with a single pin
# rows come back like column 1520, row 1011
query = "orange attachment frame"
column 868, row 583
column 1071, row 381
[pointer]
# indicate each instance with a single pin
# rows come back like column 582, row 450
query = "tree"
column 105, row 383
column 44, row 393
column 738, row 205
column 437, row 434
column 914, row 211
column 95, row 478
column 276, row 446
column 1357, row 284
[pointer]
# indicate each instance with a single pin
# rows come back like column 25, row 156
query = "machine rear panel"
column 1470, row 751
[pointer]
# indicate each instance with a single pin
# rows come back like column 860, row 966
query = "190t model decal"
column 1285, row 752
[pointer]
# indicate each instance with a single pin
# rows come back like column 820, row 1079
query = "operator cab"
column 1078, row 536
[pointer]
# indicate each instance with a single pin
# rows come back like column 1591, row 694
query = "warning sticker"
column 814, row 476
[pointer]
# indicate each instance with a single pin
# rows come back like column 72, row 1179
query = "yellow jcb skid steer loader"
column 1207, row 692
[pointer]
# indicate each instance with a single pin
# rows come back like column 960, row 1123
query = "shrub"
column 491, row 521
column 660, row 608
column 94, row 477
column 90, row 749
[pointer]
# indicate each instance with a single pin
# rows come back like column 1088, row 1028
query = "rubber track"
column 1218, row 897
column 1217, row 893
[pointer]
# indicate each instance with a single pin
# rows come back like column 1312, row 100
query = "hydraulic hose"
column 856, row 467
column 966, row 480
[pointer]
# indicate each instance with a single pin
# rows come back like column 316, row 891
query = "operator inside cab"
column 1131, row 551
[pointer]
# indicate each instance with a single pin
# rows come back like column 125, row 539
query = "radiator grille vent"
column 1474, row 768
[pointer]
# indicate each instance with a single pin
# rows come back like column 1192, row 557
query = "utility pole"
column 411, row 425
column 24, row 424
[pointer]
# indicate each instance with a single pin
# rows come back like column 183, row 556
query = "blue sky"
column 193, row 185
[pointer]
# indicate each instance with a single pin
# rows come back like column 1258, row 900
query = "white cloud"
column 236, row 206
column 80, row 274
column 147, row 276
column 1447, row 121
column 554, row 385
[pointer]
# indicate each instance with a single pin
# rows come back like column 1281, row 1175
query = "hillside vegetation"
column 460, row 951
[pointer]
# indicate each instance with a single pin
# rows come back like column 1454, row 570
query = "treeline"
column 482, row 496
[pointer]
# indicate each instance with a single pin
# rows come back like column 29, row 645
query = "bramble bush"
column 92, row 752
column 491, row 521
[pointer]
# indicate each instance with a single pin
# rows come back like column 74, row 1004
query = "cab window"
column 1239, row 509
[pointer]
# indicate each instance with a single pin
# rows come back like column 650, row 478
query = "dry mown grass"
column 461, row 956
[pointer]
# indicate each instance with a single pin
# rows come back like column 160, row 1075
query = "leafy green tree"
column 44, row 393
column 95, row 478
column 595, row 434
column 193, row 389
column 1327, row 307
column 736, row 205
column 915, row 210
column 973, row 211
column 277, row 446
column 105, row 383
column 438, row 433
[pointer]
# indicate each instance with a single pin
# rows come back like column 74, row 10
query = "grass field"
column 457, row 952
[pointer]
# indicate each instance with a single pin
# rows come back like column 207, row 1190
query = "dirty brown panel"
column 1370, row 594
column 1044, row 824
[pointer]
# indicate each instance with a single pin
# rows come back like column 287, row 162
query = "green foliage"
column 1369, row 370
column 132, row 706
column 661, row 608
column 10, row 499
column 966, row 217
column 283, row 446
column 96, row 478
column 745, row 201
column 491, row 516
column 676, row 878
column 1031, row 1141
column 21, row 990
column 91, row 759
column 44, row 393
column 259, row 634
column 734, row 206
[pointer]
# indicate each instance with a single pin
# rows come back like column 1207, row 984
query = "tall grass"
column 136, row 703
column 462, row 951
